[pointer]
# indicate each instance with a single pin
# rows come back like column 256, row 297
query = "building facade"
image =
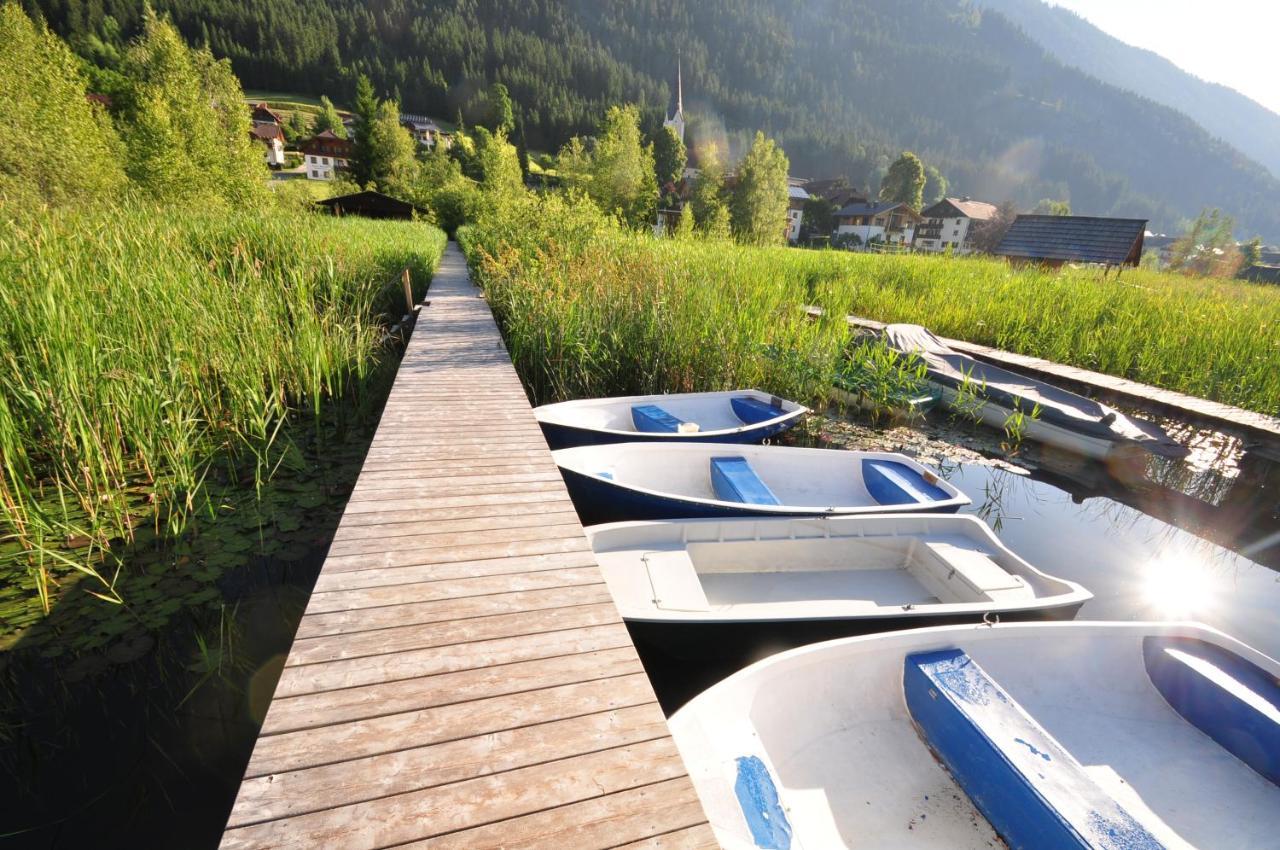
column 272, row 139
column 426, row 132
column 325, row 155
column 948, row 225
column 890, row 222
column 795, row 211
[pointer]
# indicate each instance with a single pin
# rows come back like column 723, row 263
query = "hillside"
column 1224, row 112
column 843, row 84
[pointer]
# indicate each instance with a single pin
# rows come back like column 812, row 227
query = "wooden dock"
column 461, row 678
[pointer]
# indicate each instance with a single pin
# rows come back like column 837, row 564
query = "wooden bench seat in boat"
column 1031, row 790
column 652, row 419
column 734, row 480
column 752, row 410
column 893, row 483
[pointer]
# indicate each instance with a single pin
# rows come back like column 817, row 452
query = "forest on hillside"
column 843, row 85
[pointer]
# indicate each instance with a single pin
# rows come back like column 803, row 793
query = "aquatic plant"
column 145, row 352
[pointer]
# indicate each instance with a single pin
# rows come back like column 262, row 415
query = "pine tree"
column 501, row 113
column 55, row 146
column 329, row 119
column 363, row 165
column 761, row 197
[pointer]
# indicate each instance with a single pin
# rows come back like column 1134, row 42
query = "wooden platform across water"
column 461, row 678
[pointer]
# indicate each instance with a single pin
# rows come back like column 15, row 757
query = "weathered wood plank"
column 377, row 619
column 478, row 551
column 453, row 631
column 314, row 710
column 442, row 519
column 433, row 536
column 422, row 727
column 375, row 597
column 418, row 814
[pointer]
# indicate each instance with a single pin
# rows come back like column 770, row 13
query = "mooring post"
column 408, row 291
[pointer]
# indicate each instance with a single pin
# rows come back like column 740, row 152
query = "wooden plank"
column 350, row 673
column 479, row 551
column 453, row 631
column 375, row 597
column 359, row 780
column 595, row 824
column 377, row 619
column 418, row 814
column 451, row 519
column 432, row 536
column 315, row 710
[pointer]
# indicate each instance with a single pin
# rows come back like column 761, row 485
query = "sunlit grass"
column 591, row 310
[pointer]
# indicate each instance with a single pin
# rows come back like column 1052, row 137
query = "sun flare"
column 1178, row 586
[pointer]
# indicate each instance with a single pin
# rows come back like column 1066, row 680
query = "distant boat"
column 1139, row 736
column 1065, row 420
column 631, row 481
column 737, row 416
column 717, row 586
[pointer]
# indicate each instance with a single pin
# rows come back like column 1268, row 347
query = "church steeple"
column 676, row 120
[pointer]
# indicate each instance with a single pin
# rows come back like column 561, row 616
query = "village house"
column 272, row 138
column 795, row 211
column 948, row 224
column 426, row 132
column 324, row 155
column 890, row 222
column 263, row 114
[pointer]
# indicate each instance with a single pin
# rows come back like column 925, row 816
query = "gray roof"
column 1074, row 238
column 966, row 207
column 860, row 208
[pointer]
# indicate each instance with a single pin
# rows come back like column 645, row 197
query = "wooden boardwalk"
column 461, row 678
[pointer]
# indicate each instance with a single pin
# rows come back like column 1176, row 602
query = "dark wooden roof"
column 1075, row 238
column 369, row 204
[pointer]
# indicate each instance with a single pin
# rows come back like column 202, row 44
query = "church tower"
column 676, row 120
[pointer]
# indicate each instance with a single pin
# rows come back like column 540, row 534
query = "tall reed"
column 589, row 309
column 142, row 348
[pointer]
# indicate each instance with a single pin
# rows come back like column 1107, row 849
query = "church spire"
column 676, row 121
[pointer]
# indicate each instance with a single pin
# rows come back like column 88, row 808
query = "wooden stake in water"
column 408, row 291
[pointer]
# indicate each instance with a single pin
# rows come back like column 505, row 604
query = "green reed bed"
column 144, row 350
column 588, row 309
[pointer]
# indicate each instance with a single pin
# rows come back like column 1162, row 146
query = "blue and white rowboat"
column 635, row 481
column 1062, row 736
column 738, row 416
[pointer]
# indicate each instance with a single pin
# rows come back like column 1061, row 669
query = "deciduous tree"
column 669, row 157
column 935, row 185
column 710, row 212
column 329, row 119
column 760, row 198
column 904, row 181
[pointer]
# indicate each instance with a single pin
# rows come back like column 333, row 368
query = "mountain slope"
column 1224, row 112
column 843, row 84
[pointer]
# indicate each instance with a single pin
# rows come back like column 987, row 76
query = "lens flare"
column 1178, row 586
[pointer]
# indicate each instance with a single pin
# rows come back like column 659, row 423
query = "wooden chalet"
column 1051, row 240
column 370, row 204
column 263, row 114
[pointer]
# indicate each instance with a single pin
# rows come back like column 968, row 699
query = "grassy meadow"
column 148, row 354
column 588, row 309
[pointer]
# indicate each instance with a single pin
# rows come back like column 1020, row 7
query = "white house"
column 272, row 138
column 324, row 155
column 949, row 223
column 795, row 211
column 426, row 132
column 886, row 221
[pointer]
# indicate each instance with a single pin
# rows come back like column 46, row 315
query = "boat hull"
column 560, row 436
column 598, row 500
column 743, row 641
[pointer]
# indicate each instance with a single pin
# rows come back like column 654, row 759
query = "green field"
column 591, row 310
column 148, row 352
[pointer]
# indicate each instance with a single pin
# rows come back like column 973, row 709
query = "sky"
column 1233, row 42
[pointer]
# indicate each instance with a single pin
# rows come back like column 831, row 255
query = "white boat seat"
column 974, row 568
column 674, row 581
column 958, row 574
column 1033, row 792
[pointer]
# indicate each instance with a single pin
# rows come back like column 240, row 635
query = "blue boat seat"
column 654, row 420
column 752, row 410
column 892, row 483
column 1233, row 701
column 1031, row 790
column 735, row 481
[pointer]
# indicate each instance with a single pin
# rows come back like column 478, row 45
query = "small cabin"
column 1051, row 240
column 370, row 204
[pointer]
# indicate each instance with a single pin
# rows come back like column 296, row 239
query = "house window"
column 315, row 173
column 326, row 160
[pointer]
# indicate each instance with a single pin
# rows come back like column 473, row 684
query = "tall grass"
column 142, row 348
column 588, row 309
